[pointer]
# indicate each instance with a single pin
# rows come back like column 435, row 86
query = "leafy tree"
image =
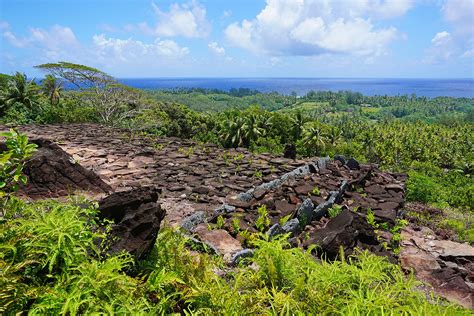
column 112, row 100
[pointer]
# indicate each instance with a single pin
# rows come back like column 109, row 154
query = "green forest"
column 50, row 264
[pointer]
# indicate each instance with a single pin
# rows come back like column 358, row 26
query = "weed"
column 263, row 221
column 335, row 210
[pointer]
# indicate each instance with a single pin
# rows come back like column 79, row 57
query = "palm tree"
column 252, row 129
column 315, row 139
column 298, row 124
column 19, row 90
column 52, row 88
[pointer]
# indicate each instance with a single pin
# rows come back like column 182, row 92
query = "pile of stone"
column 300, row 203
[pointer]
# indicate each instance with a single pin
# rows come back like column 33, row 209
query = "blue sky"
column 243, row 38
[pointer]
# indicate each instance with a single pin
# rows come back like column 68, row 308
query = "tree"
column 52, row 88
column 82, row 77
column 298, row 121
column 19, row 90
column 112, row 100
column 315, row 139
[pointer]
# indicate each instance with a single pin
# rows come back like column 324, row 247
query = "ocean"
column 421, row 87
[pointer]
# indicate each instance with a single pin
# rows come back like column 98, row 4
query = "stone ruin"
column 332, row 203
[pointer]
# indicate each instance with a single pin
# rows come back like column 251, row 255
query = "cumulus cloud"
column 187, row 20
column 314, row 27
column 129, row 50
column 459, row 42
column 442, row 48
column 460, row 14
column 55, row 42
column 216, row 49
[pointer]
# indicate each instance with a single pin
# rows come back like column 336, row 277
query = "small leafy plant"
column 12, row 161
column 263, row 221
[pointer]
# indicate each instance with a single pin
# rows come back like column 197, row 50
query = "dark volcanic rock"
column 52, row 172
column 290, row 151
column 347, row 230
column 353, row 164
column 137, row 217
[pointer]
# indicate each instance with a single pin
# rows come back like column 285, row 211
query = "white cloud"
column 460, row 13
column 313, row 27
column 459, row 42
column 188, row 20
column 442, row 48
column 130, row 50
column 216, row 49
column 441, row 38
column 57, row 42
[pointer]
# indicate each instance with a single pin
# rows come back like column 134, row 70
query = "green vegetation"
column 51, row 259
column 51, row 264
column 430, row 139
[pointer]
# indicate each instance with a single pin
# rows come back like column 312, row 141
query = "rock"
column 220, row 239
column 238, row 256
column 52, row 172
column 285, row 207
column 259, row 193
column 340, row 158
column 224, row 209
column 201, row 190
column 347, row 230
column 304, row 189
column 444, row 264
column 304, row 212
column 190, row 222
column 322, row 209
column 292, row 226
column 389, row 215
column 290, row 151
column 353, row 164
column 322, row 163
column 275, row 230
column 137, row 217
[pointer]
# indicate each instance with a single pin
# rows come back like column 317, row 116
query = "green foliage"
column 19, row 90
column 263, row 220
column 12, row 160
column 334, row 210
column 220, row 222
column 49, row 264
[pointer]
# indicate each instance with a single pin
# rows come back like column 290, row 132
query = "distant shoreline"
column 431, row 88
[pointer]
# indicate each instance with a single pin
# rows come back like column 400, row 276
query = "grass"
column 51, row 263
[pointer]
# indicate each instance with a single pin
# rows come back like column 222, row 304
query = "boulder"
column 353, row 164
column 347, row 230
column 290, row 151
column 137, row 217
column 52, row 172
column 304, row 212
column 193, row 220
column 340, row 158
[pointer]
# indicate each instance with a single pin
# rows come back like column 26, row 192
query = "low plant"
column 335, row 210
column 263, row 221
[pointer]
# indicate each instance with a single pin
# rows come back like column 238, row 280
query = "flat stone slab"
column 220, row 239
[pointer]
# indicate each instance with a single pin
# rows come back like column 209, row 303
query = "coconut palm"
column 52, row 88
column 19, row 90
column 315, row 139
column 252, row 129
column 298, row 121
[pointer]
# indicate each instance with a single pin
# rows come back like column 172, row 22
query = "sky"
column 242, row 38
